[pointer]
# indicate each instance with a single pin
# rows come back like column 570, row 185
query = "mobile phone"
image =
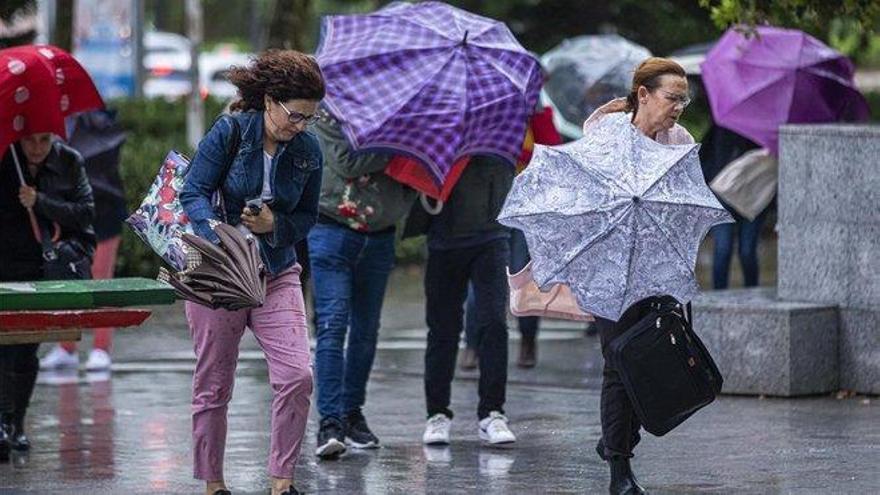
column 253, row 206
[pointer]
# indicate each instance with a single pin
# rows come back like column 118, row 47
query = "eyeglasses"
column 679, row 100
column 296, row 117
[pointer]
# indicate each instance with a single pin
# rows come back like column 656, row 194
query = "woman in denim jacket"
column 278, row 165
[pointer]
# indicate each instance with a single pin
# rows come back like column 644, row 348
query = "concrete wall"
column 829, row 236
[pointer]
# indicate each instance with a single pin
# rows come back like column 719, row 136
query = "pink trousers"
column 281, row 330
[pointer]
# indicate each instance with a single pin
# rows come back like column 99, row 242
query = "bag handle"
column 232, row 147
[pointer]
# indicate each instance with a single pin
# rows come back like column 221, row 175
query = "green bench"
column 53, row 311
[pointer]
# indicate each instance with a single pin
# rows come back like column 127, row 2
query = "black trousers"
column 446, row 286
column 18, row 363
column 620, row 425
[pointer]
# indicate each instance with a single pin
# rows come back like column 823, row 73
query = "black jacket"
column 473, row 206
column 720, row 147
column 64, row 196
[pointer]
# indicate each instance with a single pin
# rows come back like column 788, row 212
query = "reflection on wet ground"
column 131, row 435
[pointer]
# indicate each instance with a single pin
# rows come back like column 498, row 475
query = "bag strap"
column 232, row 147
column 49, row 253
column 690, row 315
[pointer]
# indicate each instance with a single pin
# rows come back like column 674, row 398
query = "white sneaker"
column 58, row 359
column 99, row 360
column 437, row 430
column 493, row 429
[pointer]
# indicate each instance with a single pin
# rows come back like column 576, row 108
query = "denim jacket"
column 296, row 185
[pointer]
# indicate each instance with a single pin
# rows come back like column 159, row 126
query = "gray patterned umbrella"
column 615, row 216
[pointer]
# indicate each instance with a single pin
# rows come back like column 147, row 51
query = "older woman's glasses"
column 296, row 117
column 679, row 100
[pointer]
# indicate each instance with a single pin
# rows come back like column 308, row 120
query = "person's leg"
column 445, row 293
column 471, row 336
column 103, row 265
column 468, row 359
column 18, row 374
column 519, row 258
column 489, row 279
column 282, row 331
column 374, row 265
column 749, row 235
column 215, row 335
column 528, row 325
column 722, row 237
column 620, row 425
column 332, row 251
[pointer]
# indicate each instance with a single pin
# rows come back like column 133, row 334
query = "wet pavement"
column 131, row 434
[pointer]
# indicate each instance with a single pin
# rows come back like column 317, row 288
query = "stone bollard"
column 829, row 236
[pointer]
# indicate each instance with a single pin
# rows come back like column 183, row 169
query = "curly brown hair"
column 281, row 74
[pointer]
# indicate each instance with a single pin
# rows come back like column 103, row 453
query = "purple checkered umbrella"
column 429, row 80
column 776, row 77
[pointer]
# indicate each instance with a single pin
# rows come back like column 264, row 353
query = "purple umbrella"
column 776, row 77
column 429, row 80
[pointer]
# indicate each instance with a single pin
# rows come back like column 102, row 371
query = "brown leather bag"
column 526, row 299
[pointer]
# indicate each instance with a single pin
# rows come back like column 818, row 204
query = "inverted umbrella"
column 778, row 76
column 429, row 80
column 585, row 72
column 615, row 216
column 39, row 86
column 229, row 275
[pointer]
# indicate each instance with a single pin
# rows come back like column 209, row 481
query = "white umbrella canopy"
column 616, row 216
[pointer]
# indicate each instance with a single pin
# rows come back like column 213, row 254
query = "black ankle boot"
column 5, row 441
column 623, row 481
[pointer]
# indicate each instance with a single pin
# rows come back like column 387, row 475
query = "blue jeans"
column 350, row 272
column 749, row 234
column 528, row 325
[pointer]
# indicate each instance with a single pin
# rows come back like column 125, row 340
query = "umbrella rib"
column 627, row 210
column 686, row 203
column 629, row 265
column 390, row 51
column 661, row 176
column 665, row 234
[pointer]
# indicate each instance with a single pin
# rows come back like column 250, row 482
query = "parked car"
column 167, row 64
column 213, row 67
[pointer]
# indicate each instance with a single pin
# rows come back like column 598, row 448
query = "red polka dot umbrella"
column 39, row 86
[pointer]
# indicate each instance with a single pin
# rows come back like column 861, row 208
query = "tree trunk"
column 289, row 25
column 64, row 26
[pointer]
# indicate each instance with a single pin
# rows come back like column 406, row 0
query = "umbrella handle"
column 35, row 227
column 432, row 210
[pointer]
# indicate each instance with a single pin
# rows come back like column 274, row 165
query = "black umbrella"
column 99, row 137
column 229, row 275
